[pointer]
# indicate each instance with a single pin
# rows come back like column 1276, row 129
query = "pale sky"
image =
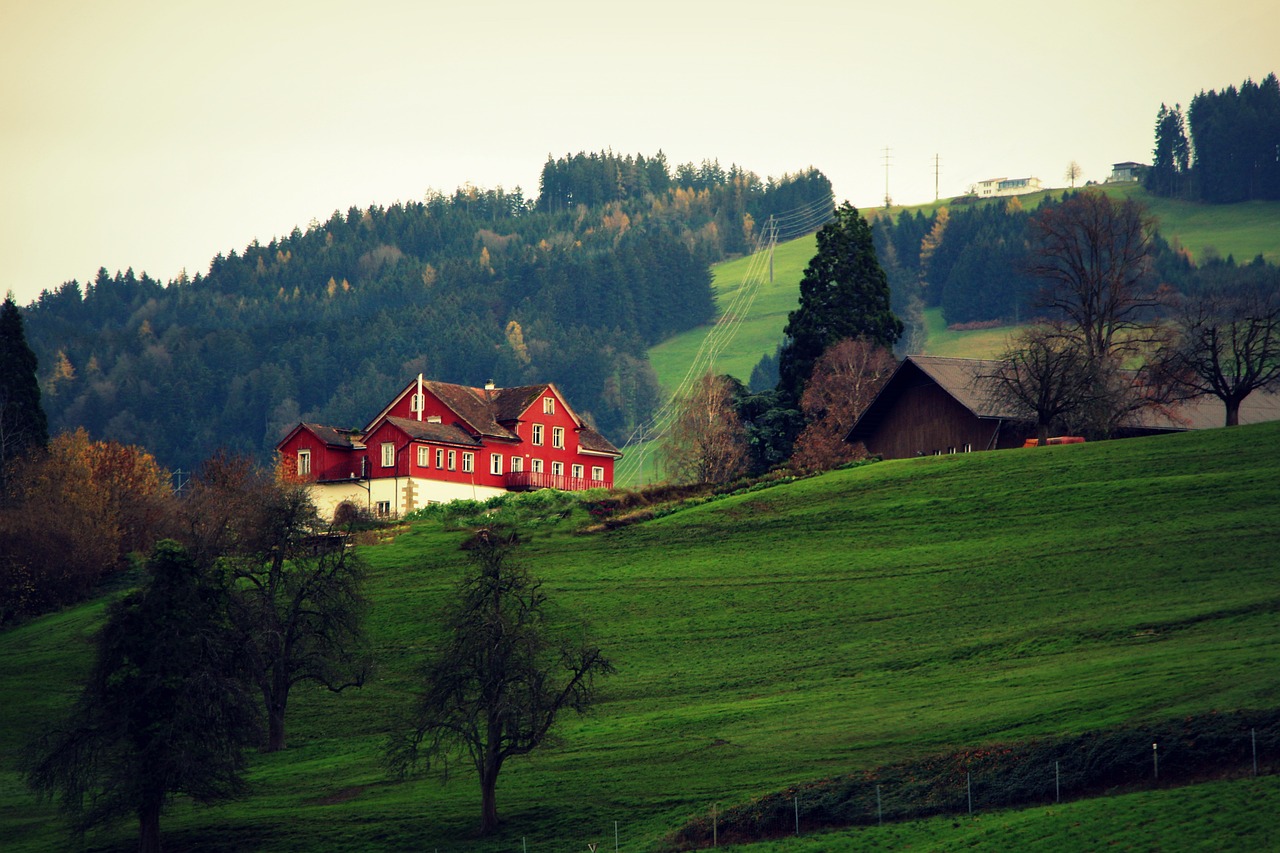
column 155, row 134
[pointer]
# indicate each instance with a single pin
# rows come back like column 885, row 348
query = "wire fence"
column 1031, row 773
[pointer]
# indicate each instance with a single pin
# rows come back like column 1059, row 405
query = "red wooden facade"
column 436, row 441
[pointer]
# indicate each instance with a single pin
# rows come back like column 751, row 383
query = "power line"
column 781, row 228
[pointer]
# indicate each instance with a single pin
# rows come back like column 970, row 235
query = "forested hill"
column 325, row 324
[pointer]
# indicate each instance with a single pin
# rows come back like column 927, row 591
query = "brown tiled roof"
column 595, row 442
column 335, row 436
column 437, row 432
column 473, row 406
column 511, row 403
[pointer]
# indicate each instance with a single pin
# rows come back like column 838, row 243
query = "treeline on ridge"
column 324, row 324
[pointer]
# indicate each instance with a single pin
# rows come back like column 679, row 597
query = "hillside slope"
column 1241, row 230
column 783, row 635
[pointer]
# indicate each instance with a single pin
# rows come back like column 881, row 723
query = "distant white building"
column 1128, row 171
column 997, row 187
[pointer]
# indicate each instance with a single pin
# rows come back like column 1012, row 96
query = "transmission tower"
column 888, row 200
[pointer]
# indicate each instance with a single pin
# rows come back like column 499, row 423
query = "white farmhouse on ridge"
column 996, row 187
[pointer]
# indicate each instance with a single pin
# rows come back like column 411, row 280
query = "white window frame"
column 537, row 466
column 388, row 454
column 597, row 473
column 424, row 456
column 517, row 464
column 384, row 509
column 536, row 438
column 468, row 462
column 548, row 405
column 577, row 472
column 495, row 464
column 453, row 460
column 304, row 463
column 439, row 458
column 557, row 437
column 557, row 469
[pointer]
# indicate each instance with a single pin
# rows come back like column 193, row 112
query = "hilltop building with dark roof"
column 437, row 442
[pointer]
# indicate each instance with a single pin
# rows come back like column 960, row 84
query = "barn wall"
column 927, row 420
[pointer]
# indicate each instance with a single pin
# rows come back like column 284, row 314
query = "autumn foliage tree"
column 74, row 516
column 844, row 382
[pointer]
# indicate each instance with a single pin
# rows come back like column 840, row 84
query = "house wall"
column 327, row 496
column 926, row 420
column 548, row 454
column 327, row 463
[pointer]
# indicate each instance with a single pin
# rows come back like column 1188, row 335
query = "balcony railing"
column 530, row 480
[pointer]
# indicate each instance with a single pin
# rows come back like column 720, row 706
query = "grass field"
column 785, row 635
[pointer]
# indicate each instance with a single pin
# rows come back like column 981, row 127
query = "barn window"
column 304, row 463
column 388, row 454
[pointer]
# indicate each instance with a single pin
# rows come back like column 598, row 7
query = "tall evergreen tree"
column 844, row 294
column 22, row 422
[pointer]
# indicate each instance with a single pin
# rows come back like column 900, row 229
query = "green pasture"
column 785, row 635
column 760, row 329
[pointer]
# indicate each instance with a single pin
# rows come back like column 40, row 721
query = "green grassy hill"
column 820, row 627
column 1241, row 230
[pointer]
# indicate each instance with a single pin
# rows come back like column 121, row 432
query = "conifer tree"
column 844, row 294
column 22, row 421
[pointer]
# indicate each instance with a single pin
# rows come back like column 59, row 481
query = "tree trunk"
column 1233, row 411
column 276, row 700
column 1042, row 434
column 489, row 801
column 149, row 828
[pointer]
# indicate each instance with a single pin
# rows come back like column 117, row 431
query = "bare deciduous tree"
column 500, row 676
column 1095, row 255
column 845, row 379
column 1228, row 345
column 1073, row 173
column 1041, row 378
column 707, row 442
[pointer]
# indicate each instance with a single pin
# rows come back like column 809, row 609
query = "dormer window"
column 548, row 405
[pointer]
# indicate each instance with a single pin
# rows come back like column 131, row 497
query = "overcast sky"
column 154, row 135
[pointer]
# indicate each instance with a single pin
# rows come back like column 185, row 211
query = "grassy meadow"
column 784, row 635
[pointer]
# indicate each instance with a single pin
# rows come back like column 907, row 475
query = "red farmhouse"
column 437, row 442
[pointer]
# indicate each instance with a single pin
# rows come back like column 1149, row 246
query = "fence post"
column 968, row 788
column 1057, row 783
column 1155, row 760
column 879, row 810
column 615, row 837
column 797, row 812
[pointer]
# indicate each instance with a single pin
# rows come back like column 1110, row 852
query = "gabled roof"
column 432, row 431
column 345, row 439
column 960, row 378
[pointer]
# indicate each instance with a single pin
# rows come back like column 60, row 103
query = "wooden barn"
column 934, row 406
